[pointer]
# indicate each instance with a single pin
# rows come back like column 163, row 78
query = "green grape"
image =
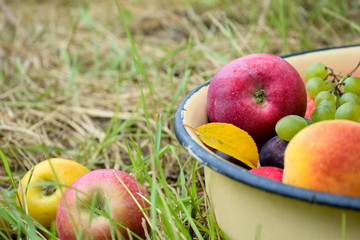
column 314, row 86
column 329, row 85
column 316, row 70
column 325, row 111
column 309, row 121
column 352, row 84
column 324, row 95
column 349, row 97
column 349, row 111
column 287, row 127
column 328, row 103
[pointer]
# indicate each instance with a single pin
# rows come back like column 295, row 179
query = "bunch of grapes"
column 336, row 96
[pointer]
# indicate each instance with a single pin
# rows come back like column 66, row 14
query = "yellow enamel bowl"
column 247, row 206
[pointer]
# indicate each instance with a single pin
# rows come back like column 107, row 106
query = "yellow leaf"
column 230, row 140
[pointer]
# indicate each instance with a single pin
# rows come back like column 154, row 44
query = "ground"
column 92, row 81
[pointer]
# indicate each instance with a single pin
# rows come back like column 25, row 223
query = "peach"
column 325, row 157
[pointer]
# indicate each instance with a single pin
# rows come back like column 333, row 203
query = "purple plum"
column 272, row 153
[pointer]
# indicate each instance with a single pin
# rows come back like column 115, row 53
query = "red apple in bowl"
column 310, row 107
column 93, row 197
column 255, row 91
column 273, row 173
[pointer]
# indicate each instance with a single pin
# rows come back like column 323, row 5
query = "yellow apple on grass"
column 42, row 187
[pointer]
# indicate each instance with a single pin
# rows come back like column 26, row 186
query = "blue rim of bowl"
column 242, row 175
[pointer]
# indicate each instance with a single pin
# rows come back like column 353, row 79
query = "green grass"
column 99, row 82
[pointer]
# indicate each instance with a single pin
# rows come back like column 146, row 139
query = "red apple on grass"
column 255, row 91
column 98, row 197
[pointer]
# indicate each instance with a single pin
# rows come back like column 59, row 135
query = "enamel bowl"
column 247, row 206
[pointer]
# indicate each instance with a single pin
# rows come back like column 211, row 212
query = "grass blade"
column 7, row 168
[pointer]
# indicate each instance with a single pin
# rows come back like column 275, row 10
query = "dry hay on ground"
column 67, row 69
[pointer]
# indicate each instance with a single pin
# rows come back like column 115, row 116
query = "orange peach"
column 325, row 156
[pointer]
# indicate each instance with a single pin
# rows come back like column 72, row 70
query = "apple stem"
column 49, row 190
column 98, row 203
column 259, row 95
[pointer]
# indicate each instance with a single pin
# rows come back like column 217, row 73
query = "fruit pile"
column 335, row 96
column 65, row 193
column 306, row 134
